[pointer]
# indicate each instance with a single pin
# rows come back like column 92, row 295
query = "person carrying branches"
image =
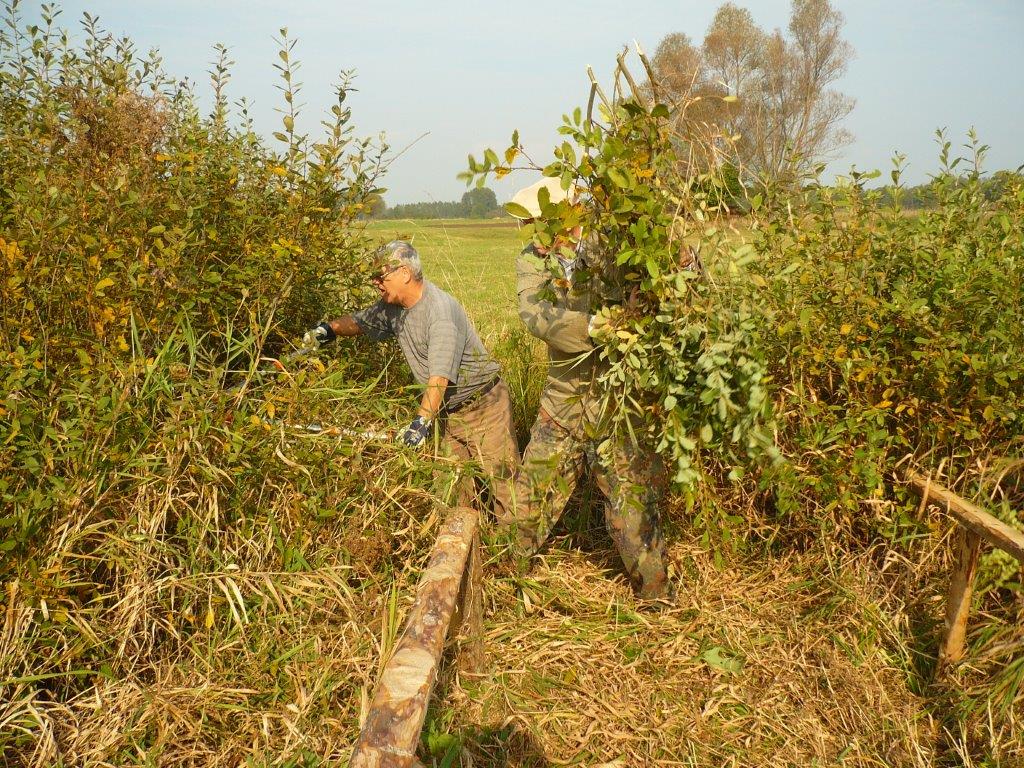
column 464, row 397
column 557, row 307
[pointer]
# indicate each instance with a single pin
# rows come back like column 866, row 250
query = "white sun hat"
column 527, row 196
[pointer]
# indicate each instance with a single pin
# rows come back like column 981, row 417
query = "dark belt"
column 476, row 395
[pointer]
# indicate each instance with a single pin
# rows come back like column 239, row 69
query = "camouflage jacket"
column 557, row 311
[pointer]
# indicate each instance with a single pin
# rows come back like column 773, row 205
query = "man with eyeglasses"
column 463, row 391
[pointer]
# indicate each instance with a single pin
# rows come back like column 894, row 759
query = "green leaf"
column 515, row 209
column 618, row 177
column 706, row 433
column 717, row 657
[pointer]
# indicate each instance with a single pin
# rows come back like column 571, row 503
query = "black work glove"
column 322, row 334
column 416, row 432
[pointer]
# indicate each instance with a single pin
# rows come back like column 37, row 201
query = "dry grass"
column 757, row 664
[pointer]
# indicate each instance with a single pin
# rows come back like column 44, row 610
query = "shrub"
column 164, row 547
column 129, row 217
column 893, row 335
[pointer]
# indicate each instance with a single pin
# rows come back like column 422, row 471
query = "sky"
column 450, row 77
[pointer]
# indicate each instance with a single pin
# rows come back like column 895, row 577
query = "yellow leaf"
column 845, row 328
column 279, row 170
column 106, row 282
column 209, row 617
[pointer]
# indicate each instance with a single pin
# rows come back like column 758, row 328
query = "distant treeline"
column 482, row 203
column 924, row 195
column 479, row 203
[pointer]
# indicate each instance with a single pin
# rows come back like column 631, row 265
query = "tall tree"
column 733, row 49
column 819, row 57
column 733, row 53
column 779, row 106
column 677, row 65
column 479, row 202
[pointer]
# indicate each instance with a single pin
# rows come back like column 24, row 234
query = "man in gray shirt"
column 463, row 390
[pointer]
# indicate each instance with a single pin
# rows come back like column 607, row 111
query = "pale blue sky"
column 467, row 73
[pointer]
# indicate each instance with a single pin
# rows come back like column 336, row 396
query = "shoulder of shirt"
column 443, row 305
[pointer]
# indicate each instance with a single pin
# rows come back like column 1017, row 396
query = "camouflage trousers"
column 634, row 486
column 483, row 432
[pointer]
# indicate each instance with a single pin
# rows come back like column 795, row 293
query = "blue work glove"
column 416, row 432
column 322, row 334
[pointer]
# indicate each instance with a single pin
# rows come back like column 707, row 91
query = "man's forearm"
column 345, row 326
column 430, row 403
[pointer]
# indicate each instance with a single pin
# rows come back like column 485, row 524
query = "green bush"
column 892, row 335
column 159, row 525
column 127, row 217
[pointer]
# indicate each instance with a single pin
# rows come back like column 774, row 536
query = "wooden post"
column 992, row 529
column 399, row 705
column 976, row 524
column 958, row 602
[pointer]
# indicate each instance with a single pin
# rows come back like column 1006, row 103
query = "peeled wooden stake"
column 958, row 600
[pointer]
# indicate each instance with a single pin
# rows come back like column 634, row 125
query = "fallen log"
column 399, row 706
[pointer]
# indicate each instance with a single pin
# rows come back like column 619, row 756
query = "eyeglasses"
column 381, row 276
